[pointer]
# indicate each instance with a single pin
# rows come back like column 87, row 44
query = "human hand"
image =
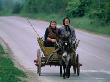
column 53, row 40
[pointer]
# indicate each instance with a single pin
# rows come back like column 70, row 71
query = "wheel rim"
column 78, row 66
column 39, row 62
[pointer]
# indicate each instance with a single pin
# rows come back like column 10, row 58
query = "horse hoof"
column 74, row 72
column 68, row 76
column 61, row 75
column 64, row 76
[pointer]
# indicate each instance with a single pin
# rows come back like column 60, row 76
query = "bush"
column 17, row 8
column 100, row 12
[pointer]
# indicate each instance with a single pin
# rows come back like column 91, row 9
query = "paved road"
column 94, row 51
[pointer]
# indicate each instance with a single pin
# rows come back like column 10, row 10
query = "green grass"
column 83, row 23
column 5, row 12
column 8, row 72
column 46, row 17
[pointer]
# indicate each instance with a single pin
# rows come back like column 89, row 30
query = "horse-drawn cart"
column 50, row 57
column 63, row 55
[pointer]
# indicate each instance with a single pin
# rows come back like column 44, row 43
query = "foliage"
column 46, row 6
column 77, row 8
column 98, row 10
column 8, row 72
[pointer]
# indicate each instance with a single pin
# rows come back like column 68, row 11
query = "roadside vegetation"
column 8, row 72
column 90, row 15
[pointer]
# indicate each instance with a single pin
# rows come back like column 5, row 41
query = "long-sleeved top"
column 51, row 33
column 68, row 30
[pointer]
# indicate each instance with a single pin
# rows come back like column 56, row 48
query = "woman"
column 66, row 30
column 51, row 34
column 67, row 33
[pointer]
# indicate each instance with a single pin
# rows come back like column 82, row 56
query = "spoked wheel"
column 39, row 62
column 77, row 65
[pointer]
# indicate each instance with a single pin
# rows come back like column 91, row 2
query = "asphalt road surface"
column 93, row 50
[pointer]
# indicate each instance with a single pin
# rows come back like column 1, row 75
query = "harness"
column 67, row 28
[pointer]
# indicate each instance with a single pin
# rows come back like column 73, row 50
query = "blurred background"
column 94, row 50
column 91, row 15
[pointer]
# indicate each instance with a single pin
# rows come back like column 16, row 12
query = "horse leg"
column 73, row 61
column 64, row 74
column 68, row 69
column 64, row 67
column 60, row 70
column 68, row 72
column 74, row 68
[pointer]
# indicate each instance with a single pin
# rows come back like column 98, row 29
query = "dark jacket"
column 51, row 33
column 68, row 30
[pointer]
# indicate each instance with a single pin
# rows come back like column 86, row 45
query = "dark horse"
column 66, row 47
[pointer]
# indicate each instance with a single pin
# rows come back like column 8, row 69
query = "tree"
column 30, row 6
column 72, row 7
column 100, row 10
column 17, row 7
column 77, row 8
column 0, row 5
column 46, row 6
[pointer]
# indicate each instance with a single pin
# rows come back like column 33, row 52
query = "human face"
column 53, row 25
column 66, row 22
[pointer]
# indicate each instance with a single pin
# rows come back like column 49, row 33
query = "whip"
column 32, row 27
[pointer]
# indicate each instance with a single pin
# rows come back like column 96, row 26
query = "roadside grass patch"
column 8, row 72
column 84, row 23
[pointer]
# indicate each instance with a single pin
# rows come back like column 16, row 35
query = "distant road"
column 94, row 50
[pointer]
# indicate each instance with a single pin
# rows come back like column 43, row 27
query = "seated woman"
column 51, row 35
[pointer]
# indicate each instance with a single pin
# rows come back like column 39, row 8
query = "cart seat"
column 46, row 50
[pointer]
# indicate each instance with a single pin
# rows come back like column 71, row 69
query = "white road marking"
column 95, row 71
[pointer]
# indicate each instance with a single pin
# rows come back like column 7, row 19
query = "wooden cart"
column 50, row 57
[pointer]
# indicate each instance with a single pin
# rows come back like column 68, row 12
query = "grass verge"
column 8, row 72
column 43, row 16
column 83, row 23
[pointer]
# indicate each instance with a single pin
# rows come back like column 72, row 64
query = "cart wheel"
column 39, row 62
column 77, row 65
